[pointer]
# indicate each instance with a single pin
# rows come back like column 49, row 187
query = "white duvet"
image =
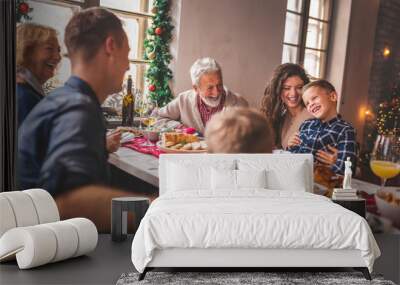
column 250, row 219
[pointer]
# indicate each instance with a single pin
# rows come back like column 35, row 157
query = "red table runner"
column 137, row 144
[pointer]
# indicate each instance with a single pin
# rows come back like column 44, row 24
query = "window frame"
column 141, row 18
column 302, row 37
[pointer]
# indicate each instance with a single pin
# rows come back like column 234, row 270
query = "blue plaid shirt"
column 316, row 135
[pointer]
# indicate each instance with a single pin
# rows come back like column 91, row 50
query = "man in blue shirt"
column 62, row 142
column 328, row 137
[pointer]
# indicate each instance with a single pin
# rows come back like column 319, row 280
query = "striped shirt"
column 317, row 135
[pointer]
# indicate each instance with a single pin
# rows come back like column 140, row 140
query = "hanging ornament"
column 154, row 10
column 158, row 31
column 151, row 55
column 152, row 88
column 151, row 52
column 23, row 8
column 22, row 11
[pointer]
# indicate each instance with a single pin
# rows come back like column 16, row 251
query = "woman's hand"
column 113, row 141
column 327, row 157
column 294, row 140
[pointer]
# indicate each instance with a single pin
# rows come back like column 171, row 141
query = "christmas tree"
column 389, row 114
column 386, row 121
column 157, row 52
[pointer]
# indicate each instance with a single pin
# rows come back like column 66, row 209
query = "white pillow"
column 223, row 179
column 183, row 177
column 227, row 179
column 290, row 179
column 188, row 176
column 251, row 178
column 281, row 174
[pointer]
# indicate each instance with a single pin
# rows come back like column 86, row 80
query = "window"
column 134, row 14
column 306, row 34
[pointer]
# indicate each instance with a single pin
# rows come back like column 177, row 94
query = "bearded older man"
column 195, row 107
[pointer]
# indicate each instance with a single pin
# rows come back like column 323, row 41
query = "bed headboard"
column 272, row 161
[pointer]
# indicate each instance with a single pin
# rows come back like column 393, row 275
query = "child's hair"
column 239, row 130
column 321, row 83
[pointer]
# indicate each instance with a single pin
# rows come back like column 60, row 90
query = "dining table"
column 141, row 165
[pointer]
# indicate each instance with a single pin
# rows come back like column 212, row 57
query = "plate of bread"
column 181, row 143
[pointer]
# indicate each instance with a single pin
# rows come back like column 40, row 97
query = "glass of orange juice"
column 385, row 158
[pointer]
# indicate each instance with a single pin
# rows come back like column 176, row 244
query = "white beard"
column 212, row 103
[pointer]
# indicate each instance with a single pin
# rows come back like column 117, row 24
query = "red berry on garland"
column 158, row 31
column 23, row 8
column 152, row 88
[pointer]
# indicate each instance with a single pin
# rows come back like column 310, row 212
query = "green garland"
column 157, row 52
column 22, row 11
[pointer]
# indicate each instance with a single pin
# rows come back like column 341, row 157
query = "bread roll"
column 177, row 146
column 203, row 145
column 187, row 146
column 196, row 146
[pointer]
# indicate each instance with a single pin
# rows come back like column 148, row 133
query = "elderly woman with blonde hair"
column 37, row 57
column 239, row 130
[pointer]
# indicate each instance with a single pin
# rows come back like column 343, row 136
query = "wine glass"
column 139, row 105
column 149, row 118
column 385, row 158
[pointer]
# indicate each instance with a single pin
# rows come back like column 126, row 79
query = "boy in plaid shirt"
column 328, row 137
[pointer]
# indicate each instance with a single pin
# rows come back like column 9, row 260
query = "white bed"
column 220, row 211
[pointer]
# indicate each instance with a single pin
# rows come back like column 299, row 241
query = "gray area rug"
column 228, row 278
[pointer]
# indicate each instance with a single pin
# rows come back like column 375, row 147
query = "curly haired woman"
column 282, row 103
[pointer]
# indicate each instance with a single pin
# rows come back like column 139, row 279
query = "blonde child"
column 239, row 130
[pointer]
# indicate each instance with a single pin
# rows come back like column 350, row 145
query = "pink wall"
column 245, row 37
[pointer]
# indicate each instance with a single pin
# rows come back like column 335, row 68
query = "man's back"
column 61, row 144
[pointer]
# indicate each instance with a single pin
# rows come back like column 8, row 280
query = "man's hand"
column 294, row 140
column 113, row 141
column 328, row 158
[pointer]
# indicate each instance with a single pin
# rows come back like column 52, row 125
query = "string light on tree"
column 389, row 116
column 156, row 46
column 386, row 52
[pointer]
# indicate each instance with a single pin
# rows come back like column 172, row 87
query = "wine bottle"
column 128, row 103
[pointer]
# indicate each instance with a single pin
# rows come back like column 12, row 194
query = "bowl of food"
column 152, row 135
column 388, row 203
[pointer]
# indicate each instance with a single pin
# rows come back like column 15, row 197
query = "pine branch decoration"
column 157, row 51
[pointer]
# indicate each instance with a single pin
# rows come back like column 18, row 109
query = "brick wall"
column 385, row 71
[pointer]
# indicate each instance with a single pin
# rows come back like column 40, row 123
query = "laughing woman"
column 37, row 57
column 282, row 103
